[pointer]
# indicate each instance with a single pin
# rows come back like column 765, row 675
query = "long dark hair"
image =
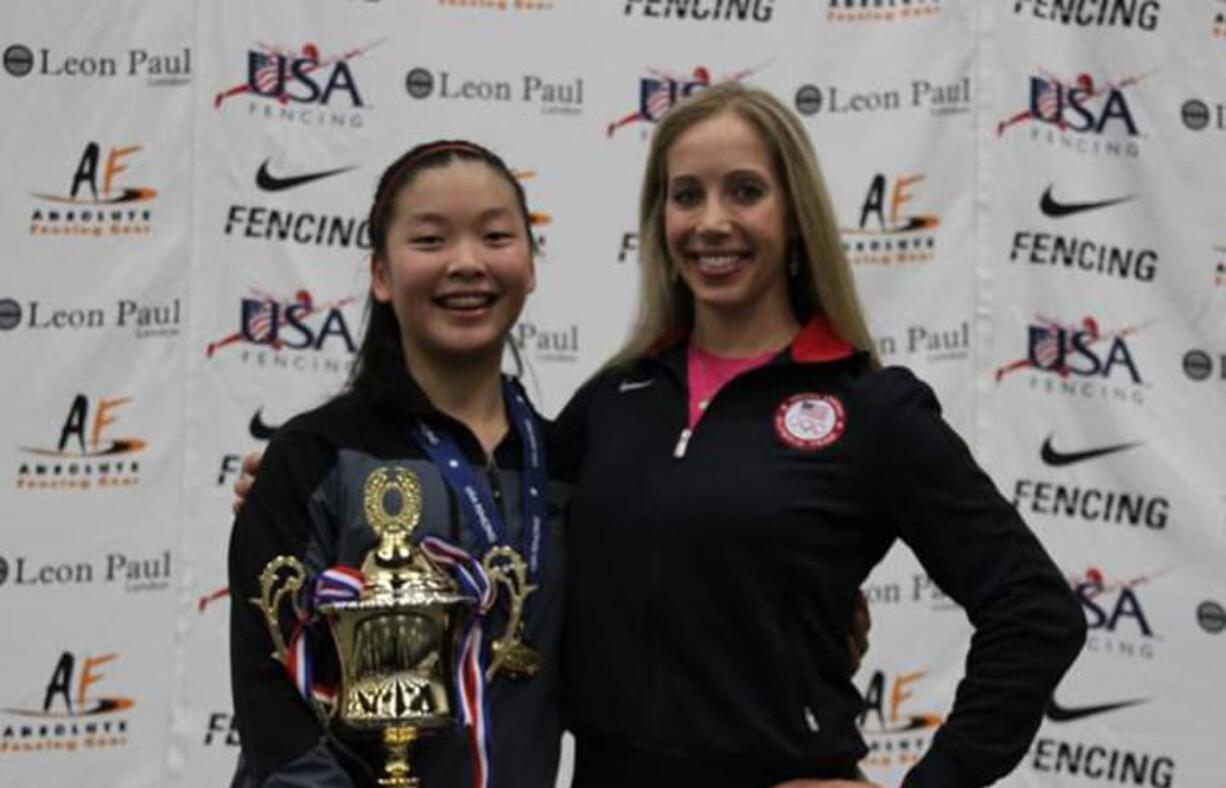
column 380, row 355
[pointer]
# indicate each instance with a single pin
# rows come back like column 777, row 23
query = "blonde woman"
column 745, row 464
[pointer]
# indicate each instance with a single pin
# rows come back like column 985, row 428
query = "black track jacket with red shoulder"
column 711, row 574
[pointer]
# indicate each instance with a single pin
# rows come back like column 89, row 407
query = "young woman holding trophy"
column 744, row 462
column 429, row 437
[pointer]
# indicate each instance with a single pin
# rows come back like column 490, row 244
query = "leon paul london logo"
column 87, row 455
column 99, row 200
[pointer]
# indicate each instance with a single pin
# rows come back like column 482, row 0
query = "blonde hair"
column 824, row 284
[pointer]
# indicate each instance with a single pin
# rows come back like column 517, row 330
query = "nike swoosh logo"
column 259, row 430
column 1057, row 713
column 1050, row 207
column 633, row 385
column 1058, row 458
column 271, row 183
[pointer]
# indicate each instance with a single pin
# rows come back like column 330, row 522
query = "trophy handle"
column 282, row 575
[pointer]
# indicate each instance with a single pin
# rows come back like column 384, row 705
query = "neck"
column 743, row 333
column 468, row 390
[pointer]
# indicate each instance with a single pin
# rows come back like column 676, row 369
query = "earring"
column 794, row 265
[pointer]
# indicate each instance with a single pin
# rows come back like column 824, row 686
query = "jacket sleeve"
column 1028, row 624
column 283, row 743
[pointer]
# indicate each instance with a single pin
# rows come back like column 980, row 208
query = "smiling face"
column 726, row 219
column 457, row 264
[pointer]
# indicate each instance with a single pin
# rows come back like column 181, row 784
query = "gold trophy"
column 396, row 643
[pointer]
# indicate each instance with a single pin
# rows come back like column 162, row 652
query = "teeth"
column 466, row 300
column 718, row 263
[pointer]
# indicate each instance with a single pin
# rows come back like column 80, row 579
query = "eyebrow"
column 739, row 173
column 430, row 217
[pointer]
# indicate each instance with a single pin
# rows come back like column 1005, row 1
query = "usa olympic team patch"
column 810, row 421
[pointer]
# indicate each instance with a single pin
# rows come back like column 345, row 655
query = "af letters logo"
column 87, row 454
column 298, row 334
column 1082, row 360
column 889, row 231
column 896, row 733
column 75, row 712
column 308, row 87
column 100, row 200
column 1085, row 115
column 659, row 91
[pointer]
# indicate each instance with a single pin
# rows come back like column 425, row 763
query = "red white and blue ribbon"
column 338, row 584
column 470, row 667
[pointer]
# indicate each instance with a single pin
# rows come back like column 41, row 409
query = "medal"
column 510, row 652
column 511, row 569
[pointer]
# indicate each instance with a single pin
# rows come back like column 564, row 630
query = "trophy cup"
column 396, row 642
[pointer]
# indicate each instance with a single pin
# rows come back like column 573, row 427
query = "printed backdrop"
column 1029, row 190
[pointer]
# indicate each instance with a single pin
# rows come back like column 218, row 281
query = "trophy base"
column 396, row 772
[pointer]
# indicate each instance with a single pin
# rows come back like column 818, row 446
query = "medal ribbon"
column 477, row 506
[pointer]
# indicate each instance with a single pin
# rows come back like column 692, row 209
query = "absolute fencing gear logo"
column 73, row 714
column 888, row 231
column 97, row 202
column 895, row 733
column 85, row 457
column 880, row 11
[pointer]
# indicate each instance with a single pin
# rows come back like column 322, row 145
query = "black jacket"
column 711, row 576
column 307, row 502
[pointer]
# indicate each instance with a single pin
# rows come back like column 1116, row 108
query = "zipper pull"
column 682, row 442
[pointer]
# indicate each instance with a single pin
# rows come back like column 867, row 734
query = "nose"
column 713, row 219
column 467, row 262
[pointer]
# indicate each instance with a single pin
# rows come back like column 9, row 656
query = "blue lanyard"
column 477, row 506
